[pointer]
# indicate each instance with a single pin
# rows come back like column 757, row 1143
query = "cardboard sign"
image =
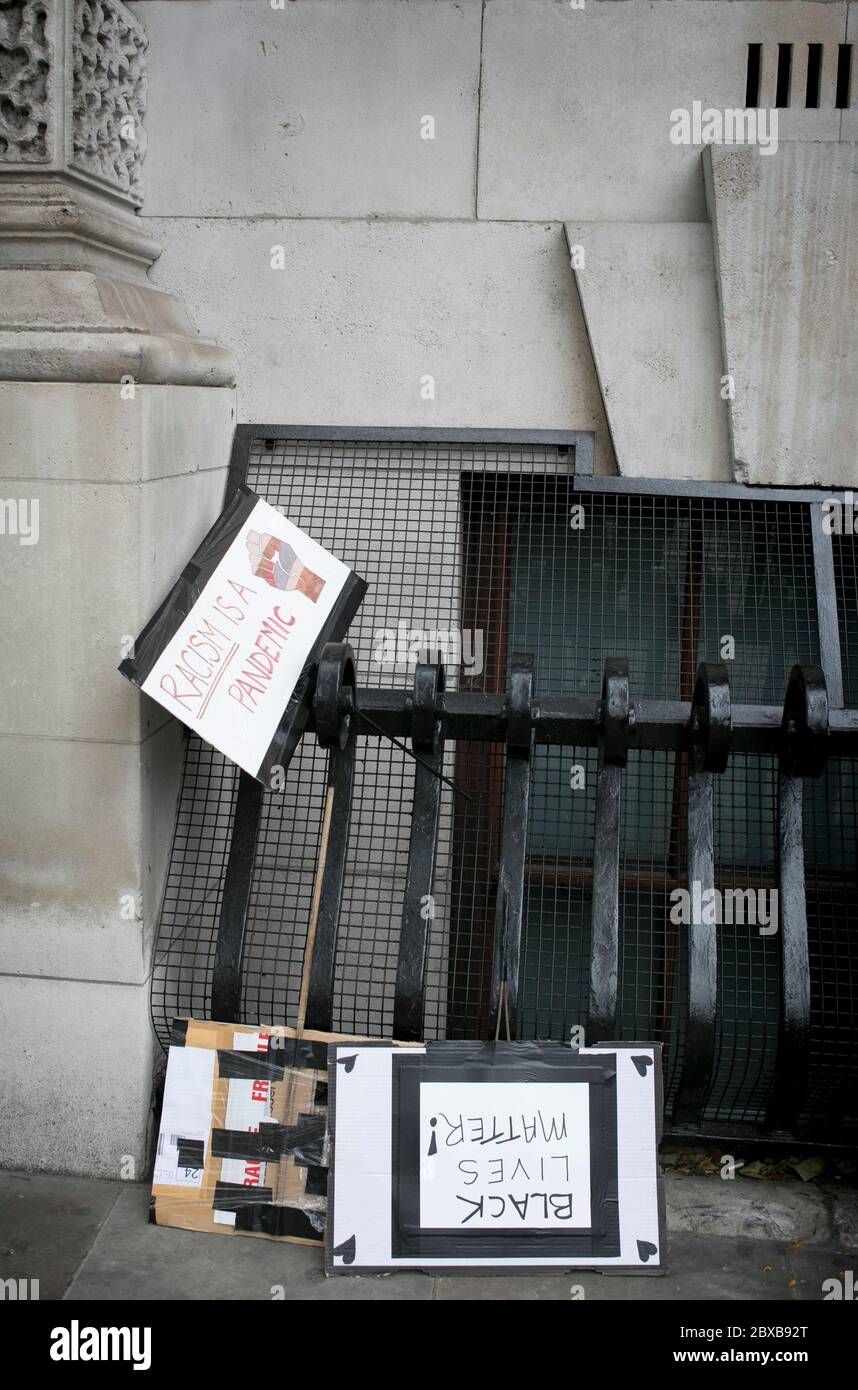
column 495, row 1155
column 242, row 1146
column 232, row 650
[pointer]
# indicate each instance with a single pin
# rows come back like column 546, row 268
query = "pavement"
column 84, row 1239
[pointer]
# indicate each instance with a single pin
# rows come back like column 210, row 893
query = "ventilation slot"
column 844, row 76
column 814, row 68
column 784, row 74
column 752, row 85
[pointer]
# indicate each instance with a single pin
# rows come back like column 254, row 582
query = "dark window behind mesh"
column 845, row 551
column 480, row 537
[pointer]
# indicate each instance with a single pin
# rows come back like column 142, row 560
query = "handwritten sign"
column 504, row 1156
column 524, row 1155
column 227, row 650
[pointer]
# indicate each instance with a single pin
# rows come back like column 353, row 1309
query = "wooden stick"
column 314, row 911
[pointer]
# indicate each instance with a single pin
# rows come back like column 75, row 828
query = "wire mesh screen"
column 669, row 582
column 845, row 550
column 830, row 831
column 746, row 1035
column 474, row 552
column 184, row 952
column 408, row 517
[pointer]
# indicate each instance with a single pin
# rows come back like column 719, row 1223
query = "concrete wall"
column 402, row 257
column 126, row 488
column 785, row 231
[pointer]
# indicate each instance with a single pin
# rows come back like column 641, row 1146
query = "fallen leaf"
column 808, row 1168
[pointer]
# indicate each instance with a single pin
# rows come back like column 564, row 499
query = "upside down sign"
column 231, row 650
column 523, row 1155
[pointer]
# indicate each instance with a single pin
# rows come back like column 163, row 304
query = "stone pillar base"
column 104, row 497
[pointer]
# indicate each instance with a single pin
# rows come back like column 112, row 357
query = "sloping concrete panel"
column 575, row 104
column 785, row 231
column 650, row 305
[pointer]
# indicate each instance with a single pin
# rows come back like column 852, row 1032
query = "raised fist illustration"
column 276, row 562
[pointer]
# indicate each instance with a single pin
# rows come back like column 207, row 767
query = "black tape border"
column 169, row 616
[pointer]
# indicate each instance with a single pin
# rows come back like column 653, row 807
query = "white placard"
column 229, row 670
column 505, row 1155
column 395, row 1205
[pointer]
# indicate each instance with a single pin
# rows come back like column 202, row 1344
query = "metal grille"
column 845, row 550
column 746, row 1036
column 496, row 540
column 184, row 952
column 399, row 514
column 831, row 834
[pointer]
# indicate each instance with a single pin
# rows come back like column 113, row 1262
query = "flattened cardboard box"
column 242, row 1147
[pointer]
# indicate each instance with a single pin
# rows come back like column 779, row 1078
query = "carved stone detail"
column 25, row 62
column 108, row 94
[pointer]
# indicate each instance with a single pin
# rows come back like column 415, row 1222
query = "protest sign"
column 232, row 650
column 495, row 1155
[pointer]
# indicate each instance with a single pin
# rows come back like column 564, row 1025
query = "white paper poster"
column 230, row 668
column 504, row 1156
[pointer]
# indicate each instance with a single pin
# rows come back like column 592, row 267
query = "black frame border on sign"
column 462, row 1064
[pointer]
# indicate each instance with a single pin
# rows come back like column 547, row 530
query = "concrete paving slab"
column 726, row 1270
column 90, row 1240
column 812, row 1266
column 747, row 1209
column 47, row 1225
column 133, row 1260
column 844, row 1214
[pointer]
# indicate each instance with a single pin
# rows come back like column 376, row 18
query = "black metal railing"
column 434, row 915
column 802, row 735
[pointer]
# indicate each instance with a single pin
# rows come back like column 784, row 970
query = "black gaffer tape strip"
column 303, row 1054
column 250, row 1066
column 192, row 1152
column 294, row 1054
column 232, row 1196
column 166, row 621
column 316, row 1181
column 179, row 1032
column 270, row 1220
column 305, row 1141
